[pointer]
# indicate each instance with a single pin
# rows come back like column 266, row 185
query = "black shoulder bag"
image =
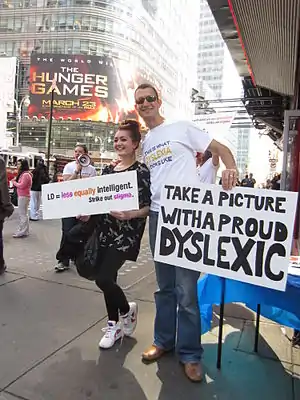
column 87, row 261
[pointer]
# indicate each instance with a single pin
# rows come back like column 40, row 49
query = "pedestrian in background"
column 275, row 182
column 6, row 209
column 207, row 166
column 23, row 183
column 39, row 177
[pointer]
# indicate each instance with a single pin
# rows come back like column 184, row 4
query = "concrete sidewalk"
column 50, row 325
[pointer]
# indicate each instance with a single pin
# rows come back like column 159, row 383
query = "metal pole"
column 257, row 328
column 101, row 151
column 221, row 323
column 50, row 131
column 18, row 126
column 101, row 156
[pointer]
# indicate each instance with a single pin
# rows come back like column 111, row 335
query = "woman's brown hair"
column 134, row 127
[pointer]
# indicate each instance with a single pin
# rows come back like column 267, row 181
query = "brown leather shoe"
column 193, row 371
column 153, row 354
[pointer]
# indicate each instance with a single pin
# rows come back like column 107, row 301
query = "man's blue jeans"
column 176, row 306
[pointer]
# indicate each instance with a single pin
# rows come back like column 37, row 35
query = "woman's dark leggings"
column 115, row 299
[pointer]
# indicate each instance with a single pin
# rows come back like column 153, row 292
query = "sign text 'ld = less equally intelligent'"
column 90, row 196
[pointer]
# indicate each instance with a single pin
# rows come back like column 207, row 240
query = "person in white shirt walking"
column 207, row 166
column 169, row 152
column 72, row 170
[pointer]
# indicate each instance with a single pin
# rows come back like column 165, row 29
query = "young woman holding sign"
column 119, row 236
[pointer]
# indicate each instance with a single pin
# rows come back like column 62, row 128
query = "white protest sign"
column 98, row 195
column 243, row 234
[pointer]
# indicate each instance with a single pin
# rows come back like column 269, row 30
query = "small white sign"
column 243, row 234
column 294, row 266
column 98, row 195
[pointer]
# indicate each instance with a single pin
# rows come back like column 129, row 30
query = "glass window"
column 9, row 48
column 82, row 3
column 70, row 22
column 100, row 48
column 94, row 23
column 109, row 25
column 85, row 23
column 69, row 46
column 76, row 46
column 18, row 24
column 3, row 25
column 84, row 46
column 59, row 46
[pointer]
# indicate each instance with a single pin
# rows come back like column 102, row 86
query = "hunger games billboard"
column 87, row 87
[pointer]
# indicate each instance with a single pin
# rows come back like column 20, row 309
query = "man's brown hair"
column 147, row 86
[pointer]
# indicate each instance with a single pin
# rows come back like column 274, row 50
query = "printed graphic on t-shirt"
column 158, row 155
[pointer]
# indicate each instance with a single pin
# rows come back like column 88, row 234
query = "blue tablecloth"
column 281, row 307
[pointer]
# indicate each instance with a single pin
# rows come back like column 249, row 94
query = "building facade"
column 216, row 69
column 149, row 36
column 242, row 127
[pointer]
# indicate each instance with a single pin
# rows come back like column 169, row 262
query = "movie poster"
column 95, row 88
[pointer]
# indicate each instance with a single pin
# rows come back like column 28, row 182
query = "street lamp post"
column 102, row 147
column 25, row 101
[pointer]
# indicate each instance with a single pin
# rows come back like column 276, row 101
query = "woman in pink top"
column 23, row 184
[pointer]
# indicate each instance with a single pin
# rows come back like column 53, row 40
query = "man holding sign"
column 168, row 151
column 73, row 170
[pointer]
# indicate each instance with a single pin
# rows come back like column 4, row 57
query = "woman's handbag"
column 87, row 261
column 82, row 244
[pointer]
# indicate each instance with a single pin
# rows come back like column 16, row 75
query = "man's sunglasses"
column 150, row 99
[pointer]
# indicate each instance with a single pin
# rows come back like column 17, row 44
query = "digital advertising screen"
column 95, row 88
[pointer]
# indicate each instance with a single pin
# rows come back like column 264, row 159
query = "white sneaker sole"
column 104, row 346
column 61, row 269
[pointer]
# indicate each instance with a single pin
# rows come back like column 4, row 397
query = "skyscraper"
column 150, row 36
column 216, row 68
column 211, row 53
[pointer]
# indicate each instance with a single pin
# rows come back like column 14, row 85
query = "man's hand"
column 229, row 178
column 230, row 174
column 78, row 167
column 123, row 215
column 83, row 218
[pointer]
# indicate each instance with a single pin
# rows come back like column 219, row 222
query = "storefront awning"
column 262, row 37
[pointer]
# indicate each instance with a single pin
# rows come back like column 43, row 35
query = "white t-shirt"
column 208, row 172
column 169, row 153
column 86, row 172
